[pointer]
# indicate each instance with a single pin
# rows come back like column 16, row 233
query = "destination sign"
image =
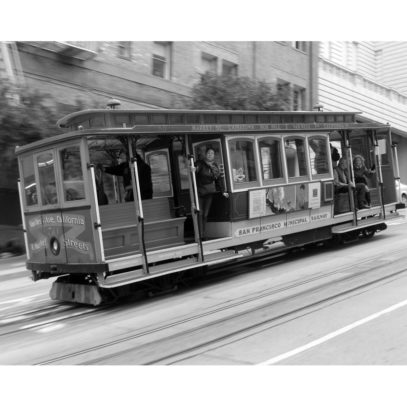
column 225, row 128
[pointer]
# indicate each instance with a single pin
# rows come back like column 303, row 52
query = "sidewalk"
column 13, row 267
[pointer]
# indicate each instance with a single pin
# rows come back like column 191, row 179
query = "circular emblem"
column 55, row 246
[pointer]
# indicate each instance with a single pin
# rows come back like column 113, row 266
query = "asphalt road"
column 328, row 308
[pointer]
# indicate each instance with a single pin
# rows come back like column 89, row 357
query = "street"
column 329, row 307
column 349, row 310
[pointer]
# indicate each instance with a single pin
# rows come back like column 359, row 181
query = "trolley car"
column 276, row 167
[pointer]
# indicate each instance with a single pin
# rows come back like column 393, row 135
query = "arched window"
column 243, row 163
column 47, row 180
column 296, row 157
column 270, row 159
column 319, row 152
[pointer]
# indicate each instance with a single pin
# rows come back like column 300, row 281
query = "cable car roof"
column 129, row 122
column 113, row 118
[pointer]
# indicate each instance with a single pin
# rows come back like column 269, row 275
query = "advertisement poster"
column 257, row 203
column 286, row 199
column 314, row 195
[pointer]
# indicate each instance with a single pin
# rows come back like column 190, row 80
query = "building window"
column 298, row 98
column 162, row 59
column 300, row 45
column 229, row 68
column 124, row 50
column 209, row 63
column 284, row 93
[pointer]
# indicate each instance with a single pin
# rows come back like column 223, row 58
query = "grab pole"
column 135, row 183
column 97, row 224
column 352, row 175
column 197, row 209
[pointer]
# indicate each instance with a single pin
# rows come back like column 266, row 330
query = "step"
column 210, row 259
column 362, row 223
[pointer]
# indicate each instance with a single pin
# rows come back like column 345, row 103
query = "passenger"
column 341, row 177
column 100, row 190
column 208, row 180
column 49, row 195
column 144, row 173
column 334, row 155
column 361, row 174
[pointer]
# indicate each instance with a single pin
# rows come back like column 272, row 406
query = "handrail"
column 197, row 209
column 135, row 183
column 98, row 224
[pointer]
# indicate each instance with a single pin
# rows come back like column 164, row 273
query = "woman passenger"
column 361, row 174
column 208, row 179
column 341, row 177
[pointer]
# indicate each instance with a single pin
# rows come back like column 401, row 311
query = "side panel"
column 79, row 236
column 52, row 229
column 36, row 239
column 63, row 236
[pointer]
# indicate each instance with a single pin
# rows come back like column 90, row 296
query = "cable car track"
column 218, row 273
column 239, row 310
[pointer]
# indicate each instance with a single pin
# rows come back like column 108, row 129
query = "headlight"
column 55, row 246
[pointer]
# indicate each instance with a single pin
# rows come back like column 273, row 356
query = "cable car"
column 113, row 201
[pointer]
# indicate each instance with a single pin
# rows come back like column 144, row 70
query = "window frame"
column 274, row 181
column 26, row 207
column 301, row 46
column 244, row 186
column 124, row 50
column 166, row 58
column 300, row 178
column 58, row 185
column 79, row 202
column 211, row 59
column 329, row 174
column 231, row 67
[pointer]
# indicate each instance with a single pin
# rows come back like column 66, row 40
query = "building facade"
column 370, row 77
column 161, row 74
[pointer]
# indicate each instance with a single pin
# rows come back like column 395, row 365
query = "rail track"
column 242, row 317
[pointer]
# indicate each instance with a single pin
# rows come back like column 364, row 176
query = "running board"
column 153, row 256
column 135, row 276
column 380, row 224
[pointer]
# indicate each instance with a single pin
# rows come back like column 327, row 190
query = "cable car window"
column 270, row 158
column 159, row 163
column 296, row 157
column 383, row 151
column 319, row 151
column 107, row 152
column 242, row 161
column 46, row 173
column 72, row 176
column 30, row 185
